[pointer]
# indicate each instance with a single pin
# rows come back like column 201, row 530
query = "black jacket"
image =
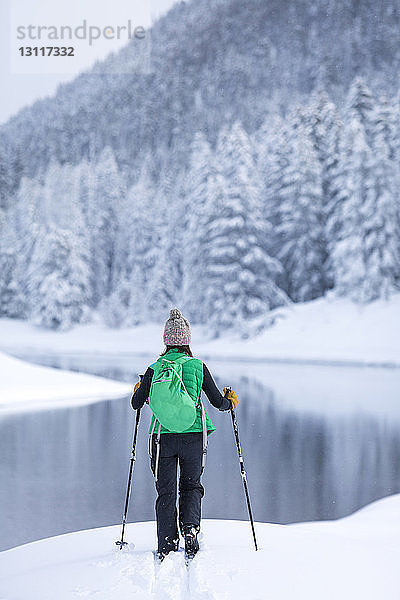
column 208, row 387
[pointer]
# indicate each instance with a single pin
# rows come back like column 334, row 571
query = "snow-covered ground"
column 352, row 558
column 327, row 330
column 26, row 387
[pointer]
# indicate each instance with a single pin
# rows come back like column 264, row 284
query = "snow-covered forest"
column 254, row 163
column 307, row 203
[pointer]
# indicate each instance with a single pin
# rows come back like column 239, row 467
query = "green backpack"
column 169, row 400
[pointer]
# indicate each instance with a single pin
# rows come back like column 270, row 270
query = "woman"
column 169, row 447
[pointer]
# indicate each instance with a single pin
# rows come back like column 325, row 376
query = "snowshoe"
column 169, row 546
column 160, row 555
column 191, row 542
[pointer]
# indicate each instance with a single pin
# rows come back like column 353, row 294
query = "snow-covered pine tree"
column 395, row 144
column 5, row 179
column 40, row 209
column 24, row 219
column 272, row 163
column 165, row 274
column 58, row 280
column 325, row 128
column 241, row 275
column 135, row 256
column 105, row 204
column 216, row 266
column 381, row 215
column 76, row 224
column 366, row 255
column 301, row 218
column 272, row 159
column 198, row 202
column 394, row 107
column 86, row 182
column 348, row 250
column 58, row 276
column 386, row 126
column 9, row 303
column 360, row 105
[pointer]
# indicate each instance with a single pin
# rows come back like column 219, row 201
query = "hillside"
column 211, row 62
column 199, row 181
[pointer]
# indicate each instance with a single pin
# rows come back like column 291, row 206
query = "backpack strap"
column 151, row 437
column 158, row 441
column 205, row 435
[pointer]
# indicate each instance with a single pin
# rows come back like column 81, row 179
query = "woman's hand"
column 232, row 396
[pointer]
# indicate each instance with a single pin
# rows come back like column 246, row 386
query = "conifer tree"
column 9, row 300
column 58, row 280
column 360, row 105
column 381, row 215
column 348, row 250
column 325, row 129
column 241, row 274
column 105, row 204
column 301, row 226
column 163, row 288
column 198, row 203
column 5, row 179
column 135, row 256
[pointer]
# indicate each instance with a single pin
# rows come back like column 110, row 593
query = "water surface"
column 318, row 442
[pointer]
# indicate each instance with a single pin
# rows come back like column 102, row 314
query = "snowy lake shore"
column 354, row 557
column 325, row 331
column 29, row 387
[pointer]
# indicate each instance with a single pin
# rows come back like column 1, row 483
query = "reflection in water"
column 64, row 470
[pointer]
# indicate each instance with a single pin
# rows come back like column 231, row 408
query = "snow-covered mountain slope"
column 327, row 330
column 26, row 387
column 348, row 559
column 211, row 62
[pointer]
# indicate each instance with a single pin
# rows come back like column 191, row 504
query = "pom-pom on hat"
column 177, row 329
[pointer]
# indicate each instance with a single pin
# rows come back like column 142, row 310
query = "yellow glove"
column 137, row 386
column 232, row 396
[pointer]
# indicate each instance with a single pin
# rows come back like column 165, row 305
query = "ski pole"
column 242, row 469
column 121, row 542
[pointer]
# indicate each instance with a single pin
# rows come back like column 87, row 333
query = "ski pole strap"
column 205, row 436
column 157, row 453
column 151, row 438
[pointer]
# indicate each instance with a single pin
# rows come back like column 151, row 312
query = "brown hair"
column 185, row 349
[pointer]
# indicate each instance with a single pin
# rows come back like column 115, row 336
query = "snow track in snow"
column 169, row 581
column 149, row 579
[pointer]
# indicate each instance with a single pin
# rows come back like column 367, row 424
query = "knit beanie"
column 177, row 329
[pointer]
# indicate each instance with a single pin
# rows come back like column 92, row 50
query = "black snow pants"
column 185, row 449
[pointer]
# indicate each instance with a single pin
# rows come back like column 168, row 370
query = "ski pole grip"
column 227, row 390
column 141, row 377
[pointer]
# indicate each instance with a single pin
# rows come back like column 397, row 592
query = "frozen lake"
column 318, row 442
